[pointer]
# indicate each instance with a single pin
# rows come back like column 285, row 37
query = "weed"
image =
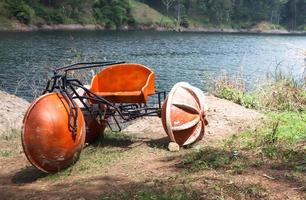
column 98, row 156
column 297, row 177
column 5, row 153
column 158, row 193
column 213, row 158
column 10, row 134
column 229, row 190
column 279, row 93
column 238, row 167
column 258, row 163
column 233, row 89
column 279, row 144
column 256, row 191
column 282, row 92
column 291, row 126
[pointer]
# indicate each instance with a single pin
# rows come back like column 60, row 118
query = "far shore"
column 17, row 27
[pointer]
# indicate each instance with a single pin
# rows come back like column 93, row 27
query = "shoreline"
column 17, row 27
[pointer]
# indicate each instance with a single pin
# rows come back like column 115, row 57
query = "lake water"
column 26, row 59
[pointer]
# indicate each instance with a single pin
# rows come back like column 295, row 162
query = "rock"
column 173, row 147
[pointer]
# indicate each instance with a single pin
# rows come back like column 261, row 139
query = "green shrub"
column 20, row 10
column 56, row 17
column 185, row 22
column 113, row 13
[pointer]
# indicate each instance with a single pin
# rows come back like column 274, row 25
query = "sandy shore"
column 18, row 27
column 11, row 112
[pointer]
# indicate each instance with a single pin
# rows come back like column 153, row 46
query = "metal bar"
column 78, row 66
column 72, row 116
column 78, row 96
column 47, row 87
column 74, row 80
column 159, row 103
column 83, row 63
column 93, row 66
column 100, row 99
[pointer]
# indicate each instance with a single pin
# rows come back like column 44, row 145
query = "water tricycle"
column 69, row 114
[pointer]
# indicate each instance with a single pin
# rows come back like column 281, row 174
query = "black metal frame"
column 66, row 86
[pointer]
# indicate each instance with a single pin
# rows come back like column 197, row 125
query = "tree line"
column 109, row 13
column 241, row 13
column 113, row 13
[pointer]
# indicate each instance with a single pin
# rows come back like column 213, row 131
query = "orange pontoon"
column 124, row 83
column 183, row 114
column 48, row 141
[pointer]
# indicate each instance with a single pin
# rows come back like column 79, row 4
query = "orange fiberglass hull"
column 94, row 128
column 183, row 115
column 47, row 140
column 124, row 83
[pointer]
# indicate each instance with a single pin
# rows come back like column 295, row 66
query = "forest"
column 236, row 14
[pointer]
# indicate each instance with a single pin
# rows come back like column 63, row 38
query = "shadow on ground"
column 28, row 175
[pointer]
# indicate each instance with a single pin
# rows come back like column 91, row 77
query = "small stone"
column 173, row 147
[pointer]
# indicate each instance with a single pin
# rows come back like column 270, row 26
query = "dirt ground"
column 135, row 164
column 11, row 112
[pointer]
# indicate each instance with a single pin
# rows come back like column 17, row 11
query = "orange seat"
column 124, row 83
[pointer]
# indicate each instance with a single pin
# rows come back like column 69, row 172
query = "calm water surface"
column 26, row 59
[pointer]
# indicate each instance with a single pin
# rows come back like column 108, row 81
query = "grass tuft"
column 98, row 156
column 213, row 158
column 5, row 153
column 158, row 192
column 10, row 134
column 233, row 89
column 280, row 93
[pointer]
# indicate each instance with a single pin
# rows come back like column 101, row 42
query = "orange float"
column 94, row 128
column 48, row 141
column 183, row 116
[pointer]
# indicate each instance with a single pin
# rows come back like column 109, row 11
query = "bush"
column 56, row 17
column 184, row 22
column 113, row 13
column 21, row 11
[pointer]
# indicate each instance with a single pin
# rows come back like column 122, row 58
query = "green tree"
column 113, row 13
column 218, row 11
column 20, row 10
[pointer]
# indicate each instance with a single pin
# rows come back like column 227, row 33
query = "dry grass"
column 279, row 93
column 283, row 93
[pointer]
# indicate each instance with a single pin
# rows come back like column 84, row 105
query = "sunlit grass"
column 145, row 15
column 98, row 156
column 5, row 153
column 158, row 193
column 278, row 143
column 279, row 92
